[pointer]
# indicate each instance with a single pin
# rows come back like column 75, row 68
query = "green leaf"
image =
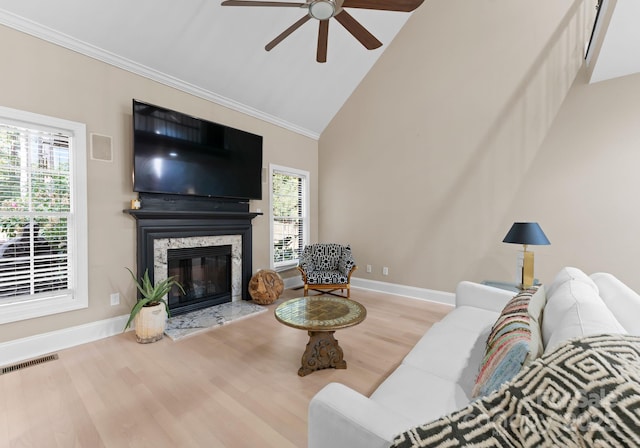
column 151, row 294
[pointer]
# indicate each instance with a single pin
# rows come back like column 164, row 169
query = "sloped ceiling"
column 615, row 48
column 217, row 52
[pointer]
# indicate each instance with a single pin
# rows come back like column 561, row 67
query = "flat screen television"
column 175, row 153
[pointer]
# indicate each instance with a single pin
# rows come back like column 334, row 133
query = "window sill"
column 285, row 267
column 40, row 306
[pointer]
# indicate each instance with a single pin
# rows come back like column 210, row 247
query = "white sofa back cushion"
column 623, row 301
column 570, row 273
column 575, row 310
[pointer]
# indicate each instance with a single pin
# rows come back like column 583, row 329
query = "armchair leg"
column 306, row 290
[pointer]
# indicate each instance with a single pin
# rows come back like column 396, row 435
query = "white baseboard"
column 447, row 298
column 293, row 282
column 45, row 343
column 41, row 344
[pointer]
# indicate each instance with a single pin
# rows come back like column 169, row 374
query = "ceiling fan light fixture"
column 322, row 9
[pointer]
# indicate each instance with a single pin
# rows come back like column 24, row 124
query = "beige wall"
column 43, row 78
column 586, row 181
column 423, row 169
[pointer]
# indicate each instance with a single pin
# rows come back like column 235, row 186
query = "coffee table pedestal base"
column 322, row 352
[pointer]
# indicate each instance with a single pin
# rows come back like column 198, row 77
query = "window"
column 289, row 215
column 43, row 248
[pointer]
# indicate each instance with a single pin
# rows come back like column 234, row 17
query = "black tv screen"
column 175, row 153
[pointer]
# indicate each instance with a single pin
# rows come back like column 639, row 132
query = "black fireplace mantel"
column 155, row 223
column 140, row 214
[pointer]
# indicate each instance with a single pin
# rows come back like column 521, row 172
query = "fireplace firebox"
column 203, row 272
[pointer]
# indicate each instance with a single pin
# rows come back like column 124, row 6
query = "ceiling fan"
column 323, row 10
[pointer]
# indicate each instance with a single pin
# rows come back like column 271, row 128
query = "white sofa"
column 438, row 375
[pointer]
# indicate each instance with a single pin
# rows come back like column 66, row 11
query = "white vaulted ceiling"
column 218, row 52
column 615, row 50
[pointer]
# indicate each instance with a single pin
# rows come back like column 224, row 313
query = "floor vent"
column 25, row 364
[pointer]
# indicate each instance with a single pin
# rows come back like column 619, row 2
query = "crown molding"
column 45, row 33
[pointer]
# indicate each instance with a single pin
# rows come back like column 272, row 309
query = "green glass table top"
column 320, row 313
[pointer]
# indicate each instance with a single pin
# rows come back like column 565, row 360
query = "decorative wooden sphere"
column 265, row 287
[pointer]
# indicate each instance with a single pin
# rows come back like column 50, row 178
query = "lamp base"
column 527, row 269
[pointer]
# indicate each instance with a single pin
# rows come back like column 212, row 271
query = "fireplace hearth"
column 208, row 249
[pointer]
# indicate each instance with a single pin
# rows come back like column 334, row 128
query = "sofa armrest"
column 482, row 296
column 340, row 417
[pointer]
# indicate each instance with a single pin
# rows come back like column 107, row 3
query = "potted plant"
column 150, row 312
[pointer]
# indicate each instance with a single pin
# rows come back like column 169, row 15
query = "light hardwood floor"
column 234, row 386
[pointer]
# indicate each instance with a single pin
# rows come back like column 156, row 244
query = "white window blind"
column 289, row 197
column 34, row 211
column 43, row 250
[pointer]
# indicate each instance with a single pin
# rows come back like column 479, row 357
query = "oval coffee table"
column 321, row 316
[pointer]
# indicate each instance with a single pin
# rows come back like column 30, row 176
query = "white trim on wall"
column 62, row 40
column 306, row 199
column 27, row 306
column 27, row 348
column 447, row 298
column 41, row 344
column 430, row 295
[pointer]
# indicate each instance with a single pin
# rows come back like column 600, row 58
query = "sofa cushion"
column 623, row 301
column 565, row 296
column 433, row 352
column 469, row 374
column 585, row 394
column 514, row 341
column 584, row 318
column 470, row 318
column 326, row 278
column 326, row 256
column 570, row 273
column 418, row 395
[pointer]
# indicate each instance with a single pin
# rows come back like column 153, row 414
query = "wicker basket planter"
column 150, row 323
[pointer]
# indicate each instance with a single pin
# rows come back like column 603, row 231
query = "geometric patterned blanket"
column 584, row 394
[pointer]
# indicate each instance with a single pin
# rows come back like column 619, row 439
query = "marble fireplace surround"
column 162, row 245
column 159, row 228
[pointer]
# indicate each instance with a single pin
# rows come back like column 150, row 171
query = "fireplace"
column 207, row 247
column 203, row 272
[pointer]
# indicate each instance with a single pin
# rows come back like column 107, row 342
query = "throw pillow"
column 514, row 341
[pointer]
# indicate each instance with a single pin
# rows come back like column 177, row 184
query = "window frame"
column 14, row 309
column 289, row 264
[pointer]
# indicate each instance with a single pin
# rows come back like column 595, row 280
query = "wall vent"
column 25, row 364
column 101, row 148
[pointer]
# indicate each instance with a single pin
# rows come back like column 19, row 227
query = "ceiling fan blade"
column 358, row 31
column 385, row 5
column 323, row 38
column 258, row 3
column 286, row 32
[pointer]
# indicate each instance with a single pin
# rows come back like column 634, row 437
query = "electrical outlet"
column 115, row 299
column 369, row 268
column 385, row 271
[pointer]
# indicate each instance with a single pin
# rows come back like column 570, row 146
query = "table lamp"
column 526, row 233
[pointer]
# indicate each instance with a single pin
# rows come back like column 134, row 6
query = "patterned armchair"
column 327, row 266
